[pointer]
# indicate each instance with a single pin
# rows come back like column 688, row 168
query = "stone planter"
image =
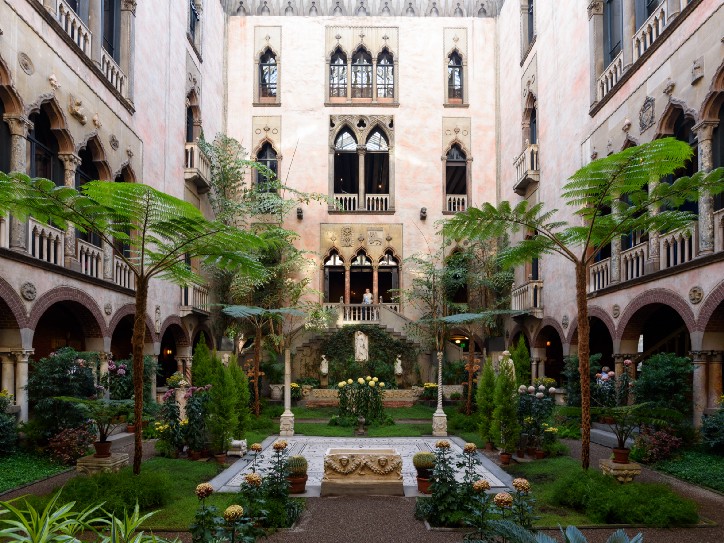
column 277, row 392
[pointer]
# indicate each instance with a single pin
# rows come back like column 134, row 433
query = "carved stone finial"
column 53, row 82
column 97, row 121
column 669, row 88
column 75, row 108
column 626, row 125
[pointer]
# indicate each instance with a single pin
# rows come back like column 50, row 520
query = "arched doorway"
column 600, row 341
column 334, row 278
column 550, row 348
column 66, row 324
column 388, row 277
column 360, row 277
column 655, row 328
column 167, row 363
column 121, row 338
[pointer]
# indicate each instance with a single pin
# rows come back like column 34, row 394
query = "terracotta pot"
column 489, row 446
column 297, row 484
column 220, row 458
column 520, row 453
column 505, row 458
column 620, row 456
column 530, row 451
column 607, row 420
column 194, row 455
column 131, row 428
column 540, row 454
column 103, row 449
column 423, row 485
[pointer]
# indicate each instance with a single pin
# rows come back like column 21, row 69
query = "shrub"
column 71, row 444
column 712, row 432
column 666, row 380
column 119, row 380
column 486, row 404
column 195, row 431
column 655, row 445
column 8, row 428
column 362, row 397
column 445, row 507
column 201, row 369
column 572, row 378
column 505, row 416
column 521, row 359
column 221, row 416
column 242, row 408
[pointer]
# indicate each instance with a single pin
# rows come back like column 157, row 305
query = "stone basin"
column 362, row 471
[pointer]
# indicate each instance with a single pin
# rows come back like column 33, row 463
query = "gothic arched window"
column 338, row 75
column 361, row 74
column 268, row 74
column 265, row 180
column 43, row 158
column 377, row 165
column 455, row 77
column 385, row 75
column 346, row 164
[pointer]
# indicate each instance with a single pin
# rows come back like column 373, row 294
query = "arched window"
column 455, row 171
column 385, row 75
column 338, row 75
column 612, row 30
column 718, row 154
column 683, row 132
column 267, row 156
column 334, row 278
column 194, row 21
column 388, row 278
column 112, row 28
column 119, row 245
column 190, row 125
column 455, row 78
column 377, row 165
column 5, row 139
column 644, row 10
column 533, row 126
column 531, row 21
column 346, row 164
column 268, row 75
column 85, row 172
column 360, row 278
column 42, row 147
column 361, row 74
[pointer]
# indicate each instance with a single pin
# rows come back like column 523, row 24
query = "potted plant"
column 107, row 415
column 486, row 403
column 505, row 416
column 424, row 463
column 131, row 424
column 297, row 466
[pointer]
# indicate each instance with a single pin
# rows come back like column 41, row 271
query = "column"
column 715, row 378
column 19, row 128
column 8, row 380
column 127, row 44
column 674, row 7
column 286, row 421
column 629, row 29
column 699, row 358
column 375, row 284
column 361, row 152
column 21, row 381
column 95, row 25
column 439, row 418
column 347, row 282
column 705, row 133
column 187, row 368
column 541, row 368
column 595, row 44
column 349, row 77
column 374, row 78
column 654, row 262
column 71, row 161
column 534, row 369
column 618, row 364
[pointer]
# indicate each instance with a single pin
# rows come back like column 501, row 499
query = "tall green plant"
column 505, row 425
column 241, row 384
column 627, row 184
column 521, row 359
column 222, row 417
column 202, row 372
column 486, row 401
column 665, row 380
column 165, row 231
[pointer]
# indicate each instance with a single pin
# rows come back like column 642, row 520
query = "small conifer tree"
column 486, row 401
column 505, row 425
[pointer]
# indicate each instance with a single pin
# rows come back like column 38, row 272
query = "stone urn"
column 277, row 392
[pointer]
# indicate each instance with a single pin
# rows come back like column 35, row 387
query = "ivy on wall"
column 383, row 349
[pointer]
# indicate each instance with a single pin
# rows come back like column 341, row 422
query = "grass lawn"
column 22, row 468
column 415, row 412
column 396, row 430
column 700, row 468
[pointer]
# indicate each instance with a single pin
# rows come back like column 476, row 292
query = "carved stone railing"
column 650, row 31
column 719, row 230
column 74, row 27
column 392, row 307
column 351, row 313
column 456, row 203
column 377, row 202
column 679, row 246
column 528, row 297
column 194, row 299
column 122, row 275
column 90, row 258
column 610, row 76
column 4, row 231
column 526, row 169
column 633, row 260
column 600, row 275
column 197, row 167
column 46, row 242
column 113, row 72
column 346, row 202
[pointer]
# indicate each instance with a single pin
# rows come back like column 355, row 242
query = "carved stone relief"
column 696, row 295
column 456, row 130
column 347, row 239
column 646, row 115
column 28, row 291
column 267, row 128
column 25, row 63
column 374, row 39
column 361, row 126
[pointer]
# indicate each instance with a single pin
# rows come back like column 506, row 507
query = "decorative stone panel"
column 375, row 239
column 373, row 38
column 267, row 128
column 456, row 130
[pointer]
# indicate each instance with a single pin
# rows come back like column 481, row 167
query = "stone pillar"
column 375, row 284
column 71, row 161
column 541, row 368
column 595, row 44
column 187, row 368
column 361, row 152
column 19, row 128
column 700, row 391
column 21, row 381
column 629, row 29
column 95, row 25
column 127, row 44
column 153, row 380
column 180, row 393
column 439, row 418
column 534, row 369
column 286, row 421
column 347, row 283
column 715, row 378
column 673, row 9
column 705, row 133
column 8, row 371
column 618, row 364
column 654, row 262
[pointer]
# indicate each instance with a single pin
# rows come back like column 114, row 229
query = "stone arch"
column 269, row 47
column 58, row 124
column 519, row 329
column 175, row 326
column 8, row 95
column 261, row 144
column 203, row 327
column 130, row 309
column 337, row 47
column 452, row 50
column 93, row 328
column 126, row 173
column 548, row 321
column 456, row 141
column 715, row 298
column 14, row 303
column 193, row 103
column 628, row 142
column 378, row 125
column 97, row 151
column 593, row 311
column 673, row 109
column 661, row 296
column 714, row 99
column 332, row 249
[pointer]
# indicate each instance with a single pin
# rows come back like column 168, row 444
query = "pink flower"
column 627, row 362
column 121, row 371
column 611, row 373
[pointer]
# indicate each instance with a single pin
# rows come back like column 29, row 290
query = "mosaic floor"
column 313, row 449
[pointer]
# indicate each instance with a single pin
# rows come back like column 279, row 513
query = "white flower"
column 541, row 388
column 531, row 389
column 522, row 389
column 539, row 395
column 552, row 391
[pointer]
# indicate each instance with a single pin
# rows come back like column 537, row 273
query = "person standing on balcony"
column 367, row 297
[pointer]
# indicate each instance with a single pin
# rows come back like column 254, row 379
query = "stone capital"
column 595, row 7
column 70, row 160
column 19, row 125
column 705, row 130
column 21, row 357
column 698, row 357
column 129, row 5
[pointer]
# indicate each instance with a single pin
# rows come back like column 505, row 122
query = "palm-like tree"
column 627, row 184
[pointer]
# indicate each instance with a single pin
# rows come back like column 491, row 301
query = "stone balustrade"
column 90, row 258
column 650, row 30
column 527, row 169
column 456, row 203
column 113, row 72
column 527, row 297
column 679, row 246
column 122, row 274
column 194, row 298
column 74, row 26
column 4, row 231
column 610, row 76
column 600, row 275
column 377, row 202
column 197, row 167
column 633, row 260
column 346, row 202
column 46, row 242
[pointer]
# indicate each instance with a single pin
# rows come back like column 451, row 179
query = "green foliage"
column 572, row 378
column 444, row 505
column 202, row 373
column 699, row 467
column 8, row 427
column 505, row 425
column 241, row 384
column 22, row 468
column 486, row 400
column 362, row 398
column 70, row 444
column 107, row 415
column 666, row 380
column 297, row 465
column 170, row 433
column 712, row 431
column 521, row 360
column 196, row 433
column 221, row 415
column 423, row 460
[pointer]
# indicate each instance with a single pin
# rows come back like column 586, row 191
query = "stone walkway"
column 313, row 449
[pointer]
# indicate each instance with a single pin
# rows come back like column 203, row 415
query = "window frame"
column 455, row 94
column 361, row 75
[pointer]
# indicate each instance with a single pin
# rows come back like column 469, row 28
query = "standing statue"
column 324, row 366
column 398, row 365
column 361, row 353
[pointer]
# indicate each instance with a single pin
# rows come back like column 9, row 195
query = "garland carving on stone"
column 380, row 465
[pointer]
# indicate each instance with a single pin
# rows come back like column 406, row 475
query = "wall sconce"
column 167, row 352
column 300, row 213
column 548, row 343
column 423, row 213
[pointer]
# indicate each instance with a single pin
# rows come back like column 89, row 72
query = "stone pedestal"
column 90, row 465
column 624, row 473
column 439, row 424
column 286, row 424
column 362, row 471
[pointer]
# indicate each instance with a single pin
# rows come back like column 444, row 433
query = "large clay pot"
column 423, row 485
column 131, row 428
column 194, row 455
column 540, row 454
column 520, row 453
column 505, row 458
column 489, row 446
column 103, row 449
column 297, row 484
column 220, row 458
column 620, row 456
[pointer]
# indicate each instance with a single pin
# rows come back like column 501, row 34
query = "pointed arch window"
column 5, row 141
column 42, row 149
column 683, row 131
column 533, row 126
column 268, row 75
column 334, row 282
column 265, row 180
column 455, row 78
column 346, row 168
column 338, row 75
column 457, row 180
column 718, row 155
column 84, row 173
column 362, row 74
column 377, row 168
column 194, row 22
column 388, row 278
column 385, row 75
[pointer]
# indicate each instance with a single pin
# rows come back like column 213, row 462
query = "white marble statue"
column 398, row 365
column 361, row 353
column 324, row 366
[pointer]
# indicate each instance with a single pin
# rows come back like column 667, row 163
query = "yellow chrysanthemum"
column 280, row 445
column 372, row 383
column 481, row 485
column 204, row 490
column 442, row 444
column 521, row 485
column 341, row 384
column 349, row 381
column 503, row 500
column 233, row 512
column 470, row 448
column 382, row 384
column 256, row 447
column 361, row 381
column 253, row 479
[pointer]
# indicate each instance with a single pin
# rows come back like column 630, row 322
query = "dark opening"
column 612, row 30
column 456, row 171
column 43, row 150
column 377, row 164
column 193, row 20
column 5, row 142
column 334, row 279
column 167, row 358
column 718, row 155
column 360, row 277
column 346, row 164
column 455, row 77
column 533, row 126
column 190, row 125
column 58, row 327
column 121, row 338
column 361, row 74
column 84, row 173
column 683, row 132
column 531, row 22
column 601, row 342
column 665, row 332
column 388, row 278
column 111, row 27
column 265, row 180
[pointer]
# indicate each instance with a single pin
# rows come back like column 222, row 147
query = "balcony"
column 528, row 298
column 113, row 73
column 350, row 202
column 194, row 300
column 74, row 27
column 610, row 76
column 197, row 168
column 600, row 275
column 650, row 31
column 90, row 258
column 456, row 203
column 122, row 275
column 46, row 243
column 526, row 168
column 679, row 246
column 633, row 260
